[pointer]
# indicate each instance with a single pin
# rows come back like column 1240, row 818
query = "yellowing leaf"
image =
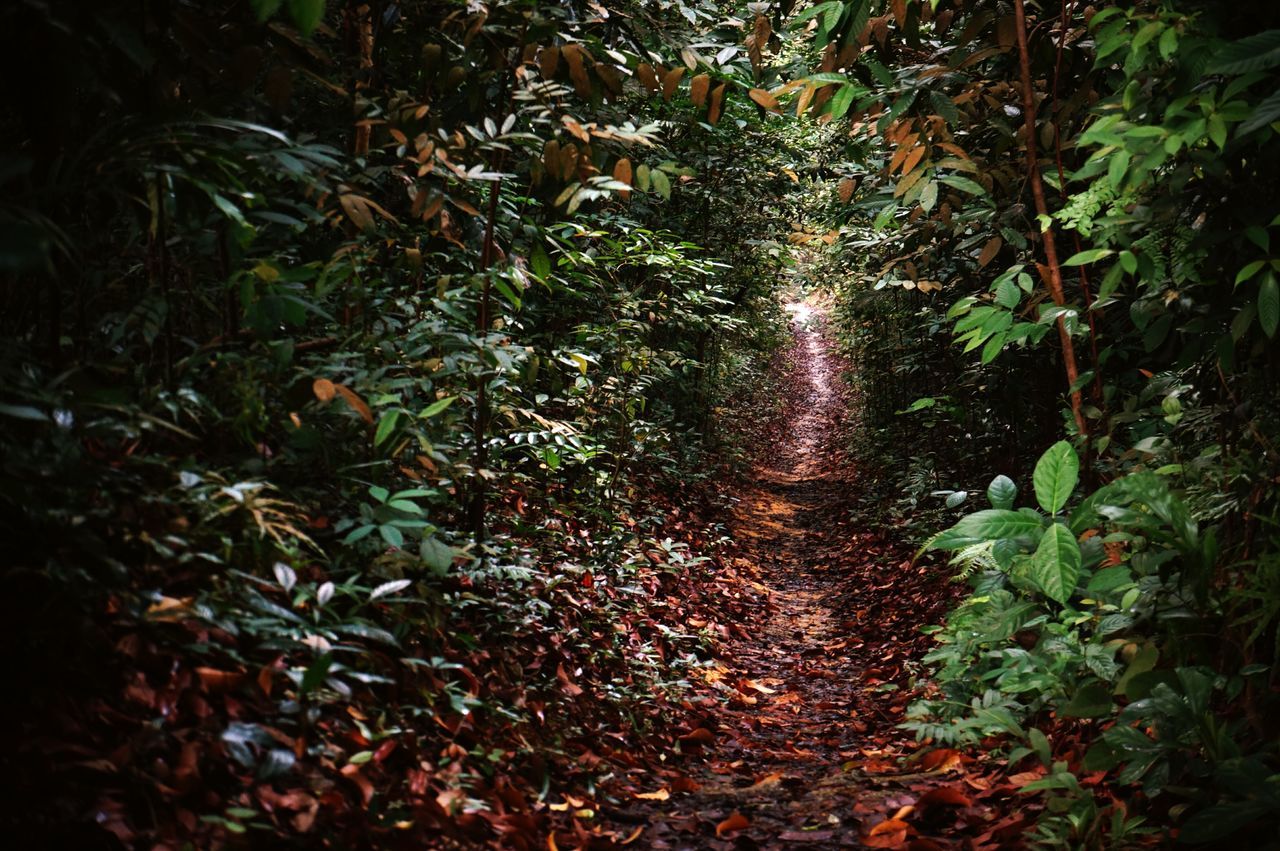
column 575, row 129
column 737, row 821
column 622, row 174
column 548, row 61
column 845, row 189
column 763, row 98
column 324, row 389
column 699, row 86
column 670, row 81
column 357, row 404
column 990, row 250
column 717, row 103
column 913, row 159
column 662, row 794
column 648, row 77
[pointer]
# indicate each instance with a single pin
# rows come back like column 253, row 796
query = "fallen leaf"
column 889, row 833
column 661, row 795
column 943, row 759
column 945, row 796
column 699, row 736
column 737, row 821
column 218, row 682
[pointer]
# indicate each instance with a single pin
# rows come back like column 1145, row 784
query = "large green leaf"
column 1055, row 476
column 1269, row 304
column 993, row 524
column 306, row 14
column 1055, row 566
column 1255, row 53
column 1263, row 114
column 1001, row 492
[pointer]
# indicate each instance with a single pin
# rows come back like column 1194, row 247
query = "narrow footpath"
column 798, row 742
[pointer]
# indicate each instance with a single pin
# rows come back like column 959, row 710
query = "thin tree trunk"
column 480, row 421
column 1042, row 209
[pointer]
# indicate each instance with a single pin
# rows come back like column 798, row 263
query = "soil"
column 794, row 740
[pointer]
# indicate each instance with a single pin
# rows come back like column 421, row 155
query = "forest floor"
column 795, row 742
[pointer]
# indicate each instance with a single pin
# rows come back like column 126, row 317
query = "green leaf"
column 316, row 673
column 1001, row 492
column 992, row 524
column 964, row 184
column 1250, row 270
column 436, row 554
column 264, row 9
column 306, row 14
column 392, row 536
column 1040, row 745
column 1007, row 294
column 1055, row 565
column 1055, row 476
column 842, row 100
column 1263, row 114
column 539, row 262
column 1255, row 53
column 661, row 184
column 1269, row 304
column 1092, row 700
column 1223, row 820
column 24, row 412
column 436, row 407
column 1093, row 255
column 386, row 427
column 929, row 196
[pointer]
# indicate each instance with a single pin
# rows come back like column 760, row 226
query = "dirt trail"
column 802, row 750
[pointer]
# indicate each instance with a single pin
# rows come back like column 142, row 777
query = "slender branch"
column 1042, row 209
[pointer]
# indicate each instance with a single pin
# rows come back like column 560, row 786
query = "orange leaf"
column 568, row 685
column 940, row 760
column 352, row 773
column 913, row 159
column 889, row 833
column 576, row 129
column 357, row 404
column 634, row 835
column 845, row 189
column 698, row 88
column 669, row 82
column 648, row 77
column 698, row 736
column 737, row 821
column 217, row 682
column 662, row 794
column 763, row 98
column 548, row 61
column 899, row 8
column 324, row 389
column 948, row 796
column 717, row 102
column 990, row 250
column 622, row 174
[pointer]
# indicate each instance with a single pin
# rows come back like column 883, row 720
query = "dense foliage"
column 354, row 357
column 1108, row 170
column 347, row 349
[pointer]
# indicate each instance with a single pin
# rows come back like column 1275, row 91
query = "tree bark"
column 1054, row 277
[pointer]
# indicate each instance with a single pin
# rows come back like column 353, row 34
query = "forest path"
column 800, row 711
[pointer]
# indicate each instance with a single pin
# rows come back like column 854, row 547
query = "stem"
column 480, row 421
column 1042, row 209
